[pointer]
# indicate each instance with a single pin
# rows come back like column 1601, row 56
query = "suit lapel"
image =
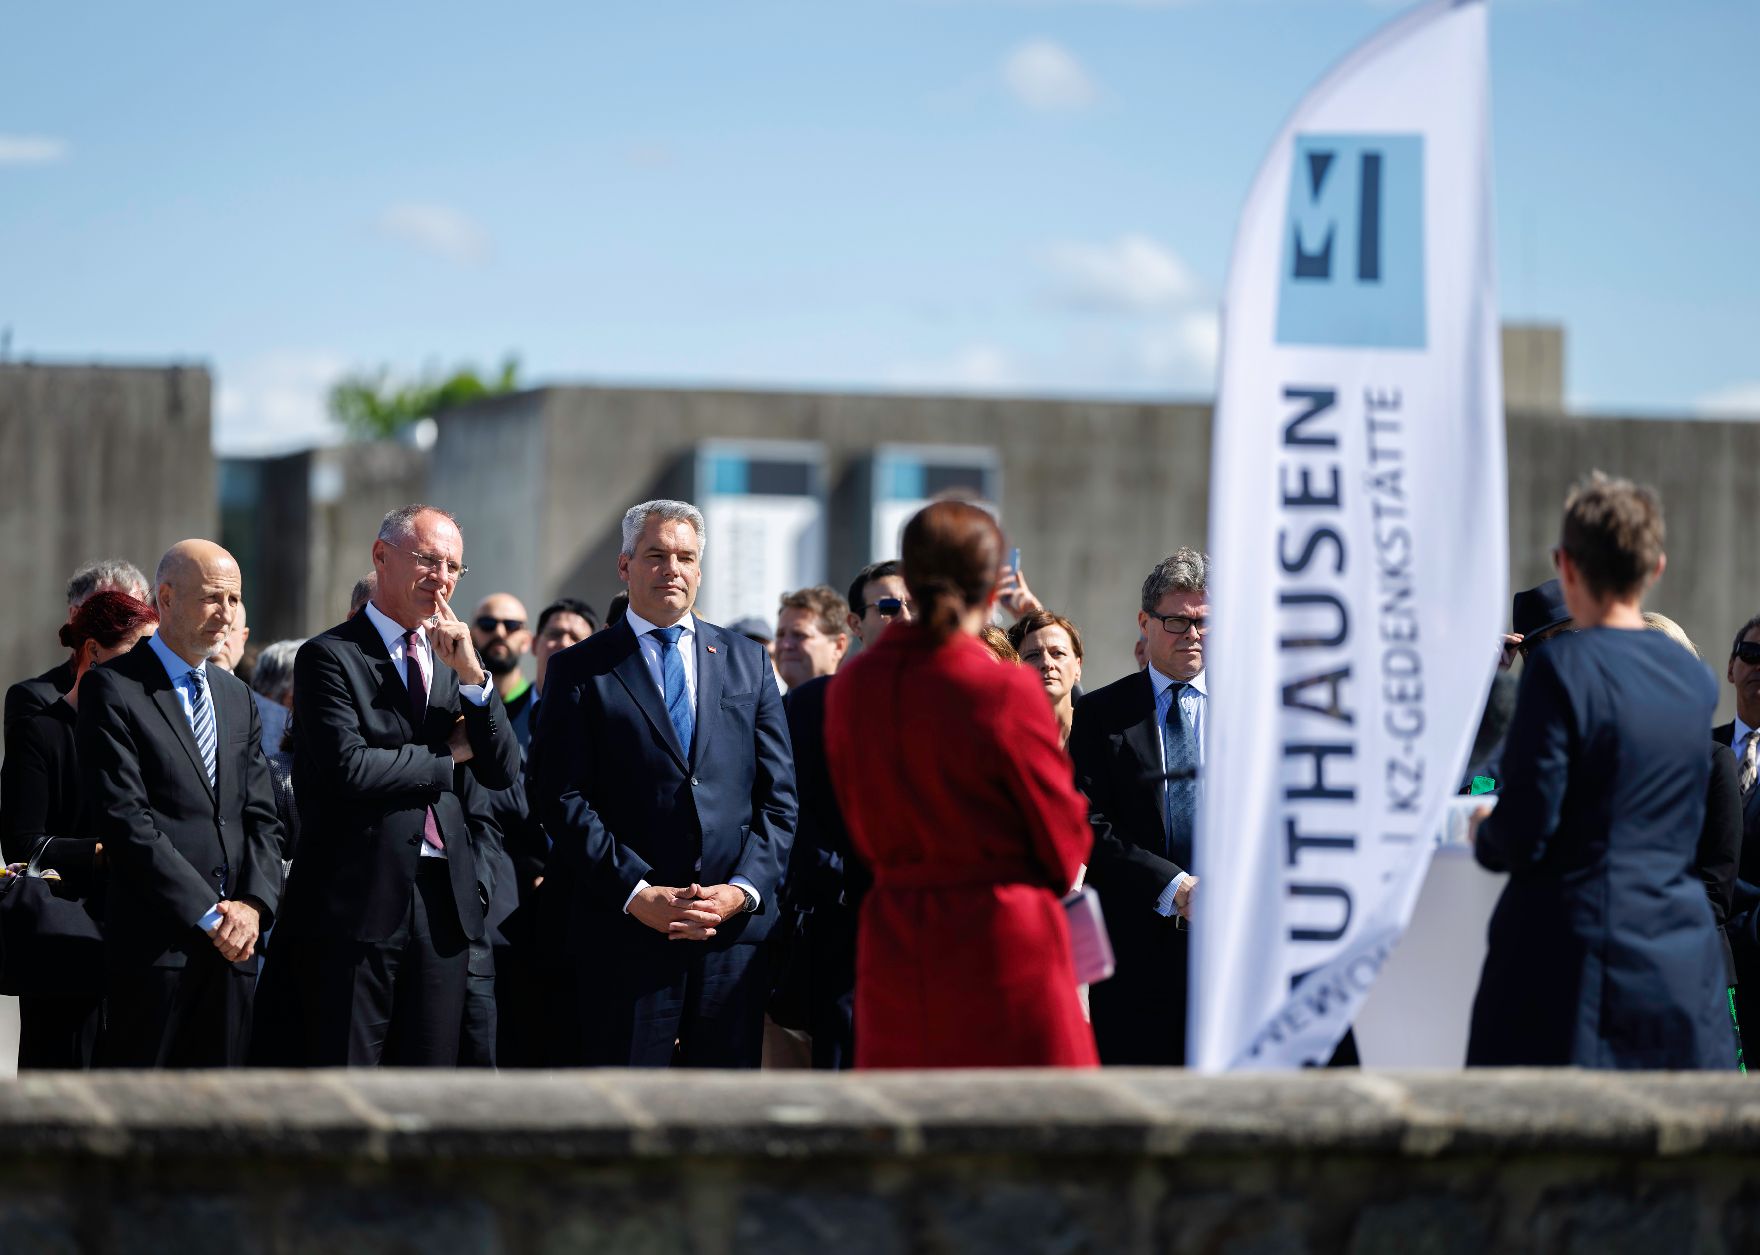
column 151, row 674
column 392, row 689
column 708, row 687
column 1141, row 734
column 632, row 671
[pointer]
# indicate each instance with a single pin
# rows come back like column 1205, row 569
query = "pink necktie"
column 418, row 700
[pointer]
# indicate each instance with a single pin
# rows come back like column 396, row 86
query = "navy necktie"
column 1179, row 758
column 678, row 697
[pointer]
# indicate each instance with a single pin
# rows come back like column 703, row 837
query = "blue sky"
column 1003, row 195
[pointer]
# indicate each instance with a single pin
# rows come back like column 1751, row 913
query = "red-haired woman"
column 960, row 800
column 40, row 810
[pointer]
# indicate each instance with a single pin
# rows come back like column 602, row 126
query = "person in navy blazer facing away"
column 177, row 790
column 662, row 770
column 1602, row 950
column 394, row 718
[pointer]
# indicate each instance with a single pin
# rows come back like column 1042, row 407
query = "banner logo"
column 1353, row 259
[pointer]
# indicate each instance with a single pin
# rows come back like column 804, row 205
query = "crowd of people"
column 845, row 837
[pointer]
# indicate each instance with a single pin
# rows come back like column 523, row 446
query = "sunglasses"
column 1749, row 652
column 487, row 623
column 892, row 607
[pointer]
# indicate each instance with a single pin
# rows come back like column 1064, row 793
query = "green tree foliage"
column 371, row 406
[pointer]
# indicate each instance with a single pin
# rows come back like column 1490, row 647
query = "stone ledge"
column 624, row 1115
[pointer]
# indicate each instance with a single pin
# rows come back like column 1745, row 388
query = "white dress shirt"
column 1194, row 699
column 392, row 633
column 687, row 652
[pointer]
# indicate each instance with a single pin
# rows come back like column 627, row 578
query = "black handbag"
column 49, row 946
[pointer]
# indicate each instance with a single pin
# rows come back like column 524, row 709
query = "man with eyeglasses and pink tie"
column 398, row 734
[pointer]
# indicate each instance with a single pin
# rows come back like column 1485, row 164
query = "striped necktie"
column 1750, row 762
column 201, row 719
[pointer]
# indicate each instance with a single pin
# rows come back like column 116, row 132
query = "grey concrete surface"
column 1125, row 1160
column 95, row 462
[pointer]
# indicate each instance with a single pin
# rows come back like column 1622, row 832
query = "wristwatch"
column 751, row 898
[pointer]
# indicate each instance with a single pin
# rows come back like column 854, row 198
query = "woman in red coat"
column 959, row 799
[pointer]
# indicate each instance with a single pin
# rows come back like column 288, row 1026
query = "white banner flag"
column 1357, row 528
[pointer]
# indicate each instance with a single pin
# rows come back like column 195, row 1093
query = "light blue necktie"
column 1179, row 757
column 678, row 697
column 201, row 718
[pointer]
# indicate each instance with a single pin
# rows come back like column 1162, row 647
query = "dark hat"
column 1539, row 609
column 755, row 628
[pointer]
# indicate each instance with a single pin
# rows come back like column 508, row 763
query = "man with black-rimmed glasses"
column 1138, row 746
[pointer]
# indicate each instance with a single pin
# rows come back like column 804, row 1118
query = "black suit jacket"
column 366, row 777
column 41, row 802
column 173, row 845
column 1720, row 844
column 1139, row 1015
column 27, row 697
column 623, row 802
column 1724, row 733
column 822, row 871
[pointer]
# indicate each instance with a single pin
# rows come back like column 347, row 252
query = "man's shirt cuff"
column 1164, row 904
column 640, row 885
column 476, row 694
column 211, row 920
column 740, row 882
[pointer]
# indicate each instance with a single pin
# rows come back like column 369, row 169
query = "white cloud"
column 437, row 229
column 1181, row 352
column 1740, row 400
column 1044, row 75
column 975, row 368
column 1132, row 274
column 276, row 403
column 31, row 150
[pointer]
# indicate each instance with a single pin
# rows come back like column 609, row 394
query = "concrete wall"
column 947, row 1163
column 1090, row 512
column 302, row 527
column 1093, row 492
column 95, row 462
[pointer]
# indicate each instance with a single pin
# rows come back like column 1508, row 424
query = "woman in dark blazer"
column 959, row 800
column 41, row 814
column 1603, row 949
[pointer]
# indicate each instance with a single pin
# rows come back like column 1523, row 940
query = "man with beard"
column 498, row 630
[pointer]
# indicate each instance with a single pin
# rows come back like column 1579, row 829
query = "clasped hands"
column 235, row 936
column 688, row 913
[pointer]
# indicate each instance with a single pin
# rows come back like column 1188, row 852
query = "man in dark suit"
column 815, row 990
column 171, row 759
column 1742, row 735
column 384, row 897
column 661, row 770
column 27, row 697
column 1138, row 745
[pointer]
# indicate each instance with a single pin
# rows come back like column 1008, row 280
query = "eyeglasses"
column 1749, row 652
column 1179, row 624
column 487, row 622
column 434, row 562
column 892, row 607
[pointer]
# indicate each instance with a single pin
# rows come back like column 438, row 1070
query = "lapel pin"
column 710, row 648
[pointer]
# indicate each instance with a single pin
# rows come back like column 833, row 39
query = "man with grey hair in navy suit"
column 662, row 772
